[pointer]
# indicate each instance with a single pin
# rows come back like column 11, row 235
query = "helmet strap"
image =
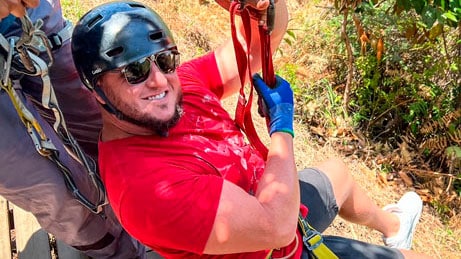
column 107, row 105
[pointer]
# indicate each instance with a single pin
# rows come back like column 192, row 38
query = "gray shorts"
column 317, row 194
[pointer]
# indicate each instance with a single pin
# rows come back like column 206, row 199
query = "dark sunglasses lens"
column 167, row 62
column 137, row 72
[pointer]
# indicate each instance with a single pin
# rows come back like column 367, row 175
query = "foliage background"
column 391, row 116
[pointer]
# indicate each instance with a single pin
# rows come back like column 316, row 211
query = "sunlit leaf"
column 453, row 152
column 450, row 16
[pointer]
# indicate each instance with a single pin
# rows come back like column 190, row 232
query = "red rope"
column 243, row 116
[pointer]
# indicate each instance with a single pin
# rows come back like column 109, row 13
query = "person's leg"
column 354, row 204
column 317, row 194
column 346, row 248
column 357, row 207
column 35, row 184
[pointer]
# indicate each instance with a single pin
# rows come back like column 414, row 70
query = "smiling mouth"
column 157, row 97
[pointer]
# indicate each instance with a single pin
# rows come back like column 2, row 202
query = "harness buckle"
column 43, row 147
column 312, row 240
column 6, row 60
column 270, row 19
column 55, row 41
column 242, row 100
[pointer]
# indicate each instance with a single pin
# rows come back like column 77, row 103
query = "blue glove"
column 278, row 104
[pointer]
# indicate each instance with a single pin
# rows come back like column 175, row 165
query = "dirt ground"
column 431, row 237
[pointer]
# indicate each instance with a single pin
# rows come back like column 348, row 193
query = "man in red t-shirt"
column 178, row 172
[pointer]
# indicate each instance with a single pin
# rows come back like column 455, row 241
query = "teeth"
column 157, row 97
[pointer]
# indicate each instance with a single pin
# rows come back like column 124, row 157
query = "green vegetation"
column 393, row 73
column 73, row 9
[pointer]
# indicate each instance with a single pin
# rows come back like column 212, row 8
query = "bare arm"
column 267, row 220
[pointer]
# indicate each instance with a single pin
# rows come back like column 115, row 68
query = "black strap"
column 100, row 244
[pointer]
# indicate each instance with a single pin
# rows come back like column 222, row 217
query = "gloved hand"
column 278, row 104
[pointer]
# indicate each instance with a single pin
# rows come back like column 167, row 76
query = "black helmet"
column 115, row 34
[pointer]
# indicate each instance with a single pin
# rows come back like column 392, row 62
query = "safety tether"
column 312, row 239
column 243, row 117
column 22, row 57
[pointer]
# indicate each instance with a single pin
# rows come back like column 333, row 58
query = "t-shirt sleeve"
column 202, row 71
column 169, row 206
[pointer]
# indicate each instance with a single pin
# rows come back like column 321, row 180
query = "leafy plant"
column 398, row 64
column 446, row 12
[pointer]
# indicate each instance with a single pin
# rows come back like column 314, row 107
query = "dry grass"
column 199, row 25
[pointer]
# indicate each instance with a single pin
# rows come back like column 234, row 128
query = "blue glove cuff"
column 284, row 130
column 283, row 118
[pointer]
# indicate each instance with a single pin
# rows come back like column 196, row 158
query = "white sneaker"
column 408, row 210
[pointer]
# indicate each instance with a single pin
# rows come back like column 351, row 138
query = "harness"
column 311, row 238
column 19, row 56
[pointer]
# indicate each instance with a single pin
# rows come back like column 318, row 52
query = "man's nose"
column 156, row 77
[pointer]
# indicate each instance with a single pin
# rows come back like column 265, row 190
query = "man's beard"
column 158, row 126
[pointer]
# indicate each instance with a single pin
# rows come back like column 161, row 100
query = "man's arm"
column 225, row 54
column 243, row 222
column 268, row 219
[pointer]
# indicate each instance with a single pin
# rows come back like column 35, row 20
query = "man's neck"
column 113, row 128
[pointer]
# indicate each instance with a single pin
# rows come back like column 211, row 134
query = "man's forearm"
column 278, row 189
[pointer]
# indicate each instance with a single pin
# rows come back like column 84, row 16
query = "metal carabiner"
column 270, row 17
column 7, row 65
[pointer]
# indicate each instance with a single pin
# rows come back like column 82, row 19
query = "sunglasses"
column 138, row 71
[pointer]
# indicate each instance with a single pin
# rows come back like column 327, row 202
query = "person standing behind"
column 178, row 172
column 32, row 181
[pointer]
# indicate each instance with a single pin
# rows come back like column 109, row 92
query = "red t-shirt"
column 165, row 190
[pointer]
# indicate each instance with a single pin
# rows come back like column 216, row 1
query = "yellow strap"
column 314, row 241
column 41, row 142
column 320, row 250
column 24, row 114
column 269, row 255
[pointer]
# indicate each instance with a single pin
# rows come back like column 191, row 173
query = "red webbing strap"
column 241, row 65
column 243, row 116
column 266, row 55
